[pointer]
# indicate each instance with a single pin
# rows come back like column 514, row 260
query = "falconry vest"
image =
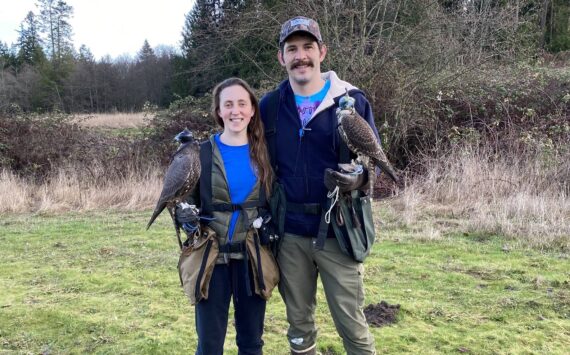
column 209, row 208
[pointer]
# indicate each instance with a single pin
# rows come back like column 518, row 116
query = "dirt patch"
column 106, row 251
column 381, row 314
column 481, row 274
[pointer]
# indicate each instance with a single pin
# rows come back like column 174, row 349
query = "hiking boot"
column 311, row 351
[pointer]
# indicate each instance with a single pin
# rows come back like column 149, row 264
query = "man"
column 305, row 149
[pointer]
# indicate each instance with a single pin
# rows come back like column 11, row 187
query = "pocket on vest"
column 196, row 265
column 263, row 265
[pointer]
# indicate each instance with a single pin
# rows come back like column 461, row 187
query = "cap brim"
column 297, row 32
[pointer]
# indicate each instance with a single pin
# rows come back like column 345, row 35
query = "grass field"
column 97, row 282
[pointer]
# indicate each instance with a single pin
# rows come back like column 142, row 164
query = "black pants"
column 212, row 314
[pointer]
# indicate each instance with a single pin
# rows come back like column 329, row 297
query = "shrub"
column 516, row 110
column 37, row 146
column 34, row 144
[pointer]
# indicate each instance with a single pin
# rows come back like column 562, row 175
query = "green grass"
column 100, row 283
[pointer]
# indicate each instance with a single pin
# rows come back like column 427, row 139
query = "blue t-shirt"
column 307, row 105
column 240, row 175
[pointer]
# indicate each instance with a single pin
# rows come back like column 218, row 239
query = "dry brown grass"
column 114, row 120
column 14, row 193
column 70, row 191
column 465, row 191
column 521, row 198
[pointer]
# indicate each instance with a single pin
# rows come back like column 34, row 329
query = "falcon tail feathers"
column 158, row 210
column 387, row 169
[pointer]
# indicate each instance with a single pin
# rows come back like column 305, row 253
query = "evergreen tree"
column 196, row 24
column 204, row 46
column 85, row 54
column 54, row 21
column 146, row 53
column 199, row 23
column 146, row 74
column 152, row 76
column 7, row 57
column 29, row 42
column 81, row 83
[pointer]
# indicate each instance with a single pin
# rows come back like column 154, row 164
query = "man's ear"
column 280, row 58
column 323, row 51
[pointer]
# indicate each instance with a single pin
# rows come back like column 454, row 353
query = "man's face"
column 302, row 58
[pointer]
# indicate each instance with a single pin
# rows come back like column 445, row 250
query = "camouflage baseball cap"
column 300, row 24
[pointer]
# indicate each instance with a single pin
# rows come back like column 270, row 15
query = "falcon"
column 181, row 177
column 360, row 138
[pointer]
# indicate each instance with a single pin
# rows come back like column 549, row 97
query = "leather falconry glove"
column 187, row 216
column 350, row 177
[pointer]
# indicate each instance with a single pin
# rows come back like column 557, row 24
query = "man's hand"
column 349, row 178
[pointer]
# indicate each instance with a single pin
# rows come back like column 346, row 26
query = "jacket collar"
column 338, row 88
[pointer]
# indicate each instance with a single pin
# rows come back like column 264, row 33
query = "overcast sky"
column 111, row 27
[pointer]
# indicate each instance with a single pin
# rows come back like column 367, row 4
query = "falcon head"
column 346, row 102
column 184, row 137
column 345, row 107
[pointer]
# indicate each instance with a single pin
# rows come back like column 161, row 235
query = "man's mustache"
column 299, row 63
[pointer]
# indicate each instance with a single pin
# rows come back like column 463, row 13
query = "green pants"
column 342, row 280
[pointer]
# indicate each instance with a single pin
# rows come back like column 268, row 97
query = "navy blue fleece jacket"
column 301, row 156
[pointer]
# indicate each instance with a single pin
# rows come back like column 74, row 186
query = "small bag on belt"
column 263, row 264
column 196, row 264
column 353, row 225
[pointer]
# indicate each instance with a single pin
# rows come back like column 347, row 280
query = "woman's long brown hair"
column 255, row 132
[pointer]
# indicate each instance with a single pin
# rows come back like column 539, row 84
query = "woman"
column 235, row 182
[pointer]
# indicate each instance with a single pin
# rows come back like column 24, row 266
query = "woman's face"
column 235, row 109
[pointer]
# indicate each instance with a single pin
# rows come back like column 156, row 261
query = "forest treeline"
column 439, row 74
column 371, row 43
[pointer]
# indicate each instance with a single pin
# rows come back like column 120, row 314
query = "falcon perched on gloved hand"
column 181, row 177
column 360, row 138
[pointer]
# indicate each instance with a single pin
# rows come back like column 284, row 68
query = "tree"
column 146, row 53
column 81, row 83
column 201, row 47
column 557, row 25
column 29, row 42
column 54, row 20
column 152, row 75
column 7, row 57
column 7, row 61
column 85, row 54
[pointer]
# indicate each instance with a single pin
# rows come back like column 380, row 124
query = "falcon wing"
column 180, row 178
column 363, row 140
